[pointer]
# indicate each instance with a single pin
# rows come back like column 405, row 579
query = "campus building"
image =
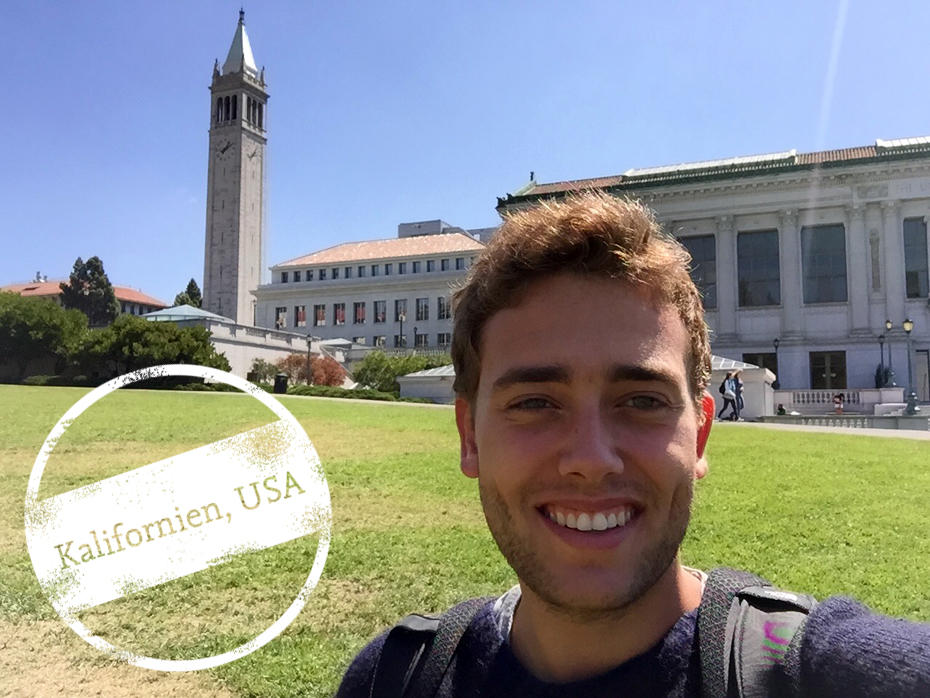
column 234, row 255
column 391, row 293
column 131, row 301
column 801, row 257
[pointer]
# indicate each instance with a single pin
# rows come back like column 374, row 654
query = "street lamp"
column 881, row 361
column 912, row 408
column 776, row 384
column 891, row 382
column 309, row 340
column 402, row 317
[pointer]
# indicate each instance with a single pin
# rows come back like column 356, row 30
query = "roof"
column 443, row 243
column 447, row 371
column 124, row 294
column 240, row 58
column 768, row 163
column 183, row 312
column 721, row 363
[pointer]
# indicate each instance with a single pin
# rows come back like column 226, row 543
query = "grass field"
column 819, row 513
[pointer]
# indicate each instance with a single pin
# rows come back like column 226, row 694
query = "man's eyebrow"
column 636, row 372
column 532, row 374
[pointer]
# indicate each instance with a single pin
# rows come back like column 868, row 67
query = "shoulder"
column 849, row 650
column 358, row 677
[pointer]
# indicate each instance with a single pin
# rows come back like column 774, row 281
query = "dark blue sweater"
column 847, row 651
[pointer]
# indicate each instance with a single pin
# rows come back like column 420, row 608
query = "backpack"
column 723, row 386
column 749, row 636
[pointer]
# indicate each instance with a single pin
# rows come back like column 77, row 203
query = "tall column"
column 858, row 280
column 790, row 267
column 726, row 280
column 894, row 261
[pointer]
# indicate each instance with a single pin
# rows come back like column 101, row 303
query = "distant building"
column 815, row 250
column 131, row 301
column 386, row 293
column 235, row 229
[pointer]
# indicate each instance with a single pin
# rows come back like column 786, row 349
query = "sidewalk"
column 852, row 431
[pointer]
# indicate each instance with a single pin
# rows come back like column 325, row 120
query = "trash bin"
column 280, row 383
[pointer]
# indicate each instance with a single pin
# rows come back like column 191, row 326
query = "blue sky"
column 403, row 111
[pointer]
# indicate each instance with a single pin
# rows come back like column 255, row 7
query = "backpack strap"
column 418, row 651
column 749, row 636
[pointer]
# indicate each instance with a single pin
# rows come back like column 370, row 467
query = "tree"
column 325, row 370
column 380, row 371
column 89, row 290
column 264, row 370
column 295, row 366
column 36, row 328
column 190, row 296
column 132, row 343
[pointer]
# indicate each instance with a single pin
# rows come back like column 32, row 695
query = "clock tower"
column 235, row 236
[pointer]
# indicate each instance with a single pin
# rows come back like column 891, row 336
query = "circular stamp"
column 177, row 516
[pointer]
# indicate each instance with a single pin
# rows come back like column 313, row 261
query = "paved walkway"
column 853, row 431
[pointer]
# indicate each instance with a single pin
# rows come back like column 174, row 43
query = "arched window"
column 219, row 109
column 261, row 113
column 248, row 112
column 235, row 102
column 226, row 108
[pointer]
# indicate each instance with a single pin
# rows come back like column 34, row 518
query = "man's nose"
column 590, row 449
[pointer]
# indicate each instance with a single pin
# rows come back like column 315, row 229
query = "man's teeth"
column 597, row 521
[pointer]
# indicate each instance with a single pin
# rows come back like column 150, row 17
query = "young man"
column 582, row 359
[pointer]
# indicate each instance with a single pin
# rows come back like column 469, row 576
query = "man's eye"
column 531, row 403
column 645, row 402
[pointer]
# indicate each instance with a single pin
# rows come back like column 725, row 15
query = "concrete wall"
column 757, row 392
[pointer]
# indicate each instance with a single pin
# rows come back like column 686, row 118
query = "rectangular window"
column 300, row 316
column 443, row 308
column 758, row 268
column 283, row 277
column 358, row 313
column 380, row 311
column 459, row 263
column 400, row 309
column 422, row 309
column 421, row 341
column 444, row 339
column 322, row 275
column 703, row 266
column 379, row 340
column 444, row 265
column 416, row 267
column 361, row 270
column 828, row 370
column 375, row 269
column 339, row 313
column 348, row 272
column 401, row 267
column 399, row 341
column 430, row 265
column 335, row 272
column 823, row 259
column 763, row 360
column 308, row 275
column 297, row 276
column 358, row 340
column 280, row 317
column 319, row 315
column 388, row 269
column 915, row 258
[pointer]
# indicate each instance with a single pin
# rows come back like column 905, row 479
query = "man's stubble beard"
column 533, row 571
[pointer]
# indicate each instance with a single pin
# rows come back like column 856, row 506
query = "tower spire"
column 239, row 58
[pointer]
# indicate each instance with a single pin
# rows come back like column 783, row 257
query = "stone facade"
column 836, row 267
column 235, row 231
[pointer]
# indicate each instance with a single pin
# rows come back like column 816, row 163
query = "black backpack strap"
column 749, row 635
column 418, row 651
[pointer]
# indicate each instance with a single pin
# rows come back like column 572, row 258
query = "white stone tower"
column 235, row 238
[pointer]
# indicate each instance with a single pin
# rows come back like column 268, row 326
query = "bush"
column 356, row 393
column 380, row 371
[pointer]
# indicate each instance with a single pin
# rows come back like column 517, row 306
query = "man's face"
column 584, row 438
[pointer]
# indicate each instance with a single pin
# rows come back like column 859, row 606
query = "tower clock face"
column 224, row 149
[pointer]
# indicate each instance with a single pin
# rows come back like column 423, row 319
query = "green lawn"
column 824, row 514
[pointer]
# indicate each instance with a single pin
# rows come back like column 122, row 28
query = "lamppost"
column 776, row 384
column 414, row 337
column 888, row 327
column 881, row 361
column 402, row 317
column 912, row 408
column 309, row 340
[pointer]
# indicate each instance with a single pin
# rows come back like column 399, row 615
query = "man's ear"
column 708, row 410
column 469, row 449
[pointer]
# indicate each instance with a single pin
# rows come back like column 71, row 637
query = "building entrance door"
column 922, row 374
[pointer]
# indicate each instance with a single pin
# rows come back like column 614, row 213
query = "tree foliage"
column 89, row 290
column 190, row 296
column 324, row 370
column 264, row 370
column 33, row 328
column 131, row 343
column 380, row 371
